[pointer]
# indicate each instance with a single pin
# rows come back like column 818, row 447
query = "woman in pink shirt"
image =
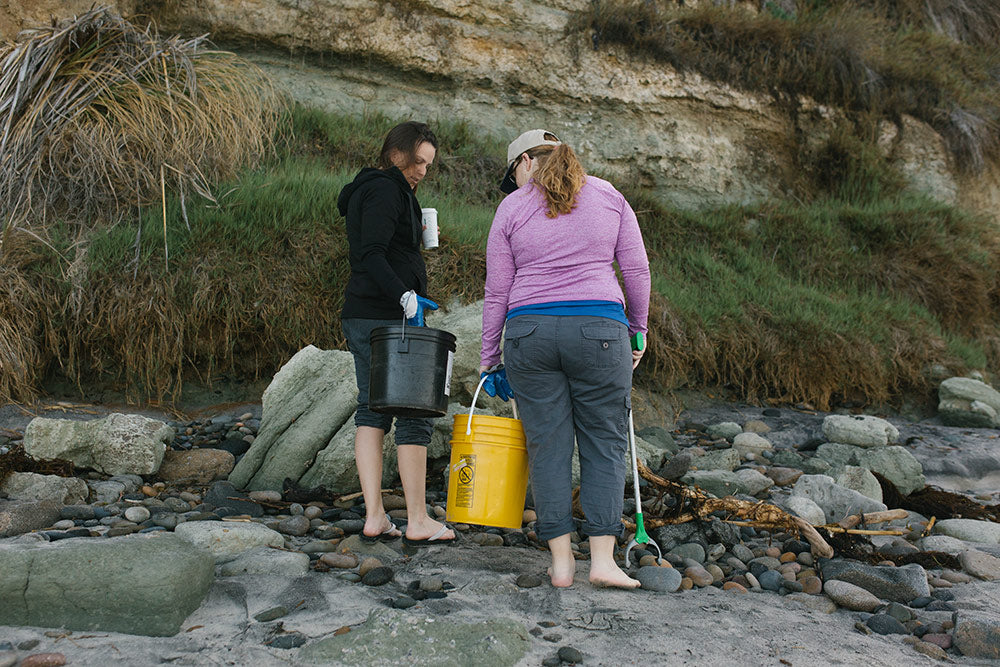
column 551, row 289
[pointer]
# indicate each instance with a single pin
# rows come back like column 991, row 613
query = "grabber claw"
column 641, row 538
column 640, row 530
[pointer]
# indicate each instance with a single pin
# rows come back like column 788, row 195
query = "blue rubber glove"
column 414, row 306
column 496, row 382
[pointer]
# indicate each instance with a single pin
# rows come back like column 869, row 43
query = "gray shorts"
column 572, row 380
column 409, row 431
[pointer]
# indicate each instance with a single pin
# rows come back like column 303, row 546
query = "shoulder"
column 600, row 186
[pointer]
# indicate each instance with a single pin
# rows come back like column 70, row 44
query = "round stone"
column 734, row 586
column 570, row 655
column 659, row 579
column 699, row 576
column 378, row 576
column 340, row 561
column 771, row 580
column 529, row 581
column 812, row 585
column 369, row 564
column 137, row 514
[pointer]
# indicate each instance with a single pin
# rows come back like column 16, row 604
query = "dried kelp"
column 17, row 460
column 932, row 501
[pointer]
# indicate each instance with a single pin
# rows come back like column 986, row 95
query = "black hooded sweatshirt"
column 383, row 236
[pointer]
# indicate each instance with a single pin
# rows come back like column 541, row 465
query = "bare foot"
column 561, row 572
column 611, row 576
column 421, row 530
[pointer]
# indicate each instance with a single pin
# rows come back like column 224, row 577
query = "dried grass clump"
column 97, row 115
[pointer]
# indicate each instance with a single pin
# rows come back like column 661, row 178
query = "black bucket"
column 411, row 371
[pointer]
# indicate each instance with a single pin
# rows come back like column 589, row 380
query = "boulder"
column 306, row 404
column 838, row 454
column 850, row 596
column 721, row 459
column 981, row 565
column 195, row 466
column 24, row 516
column 835, row 500
column 32, row 486
column 727, row 430
column 334, row 466
column 140, row 584
column 805, row 508
column 897, row 465
column 114, row 445
column 751, row 445
column 267, row 561
column 859, row 430
column 969, row 530
column 226, row 540
column 723, row 483
column 969, row 403
column 858, row 479
column 977, row 635
column 898, row 584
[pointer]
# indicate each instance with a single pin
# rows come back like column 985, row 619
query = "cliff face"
column 509, row 65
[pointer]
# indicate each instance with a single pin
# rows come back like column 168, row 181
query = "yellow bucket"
column 488, row 473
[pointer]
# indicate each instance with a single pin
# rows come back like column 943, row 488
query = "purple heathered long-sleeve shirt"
column 532, row 259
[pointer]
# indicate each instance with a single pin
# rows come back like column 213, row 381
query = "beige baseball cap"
column 525, row 142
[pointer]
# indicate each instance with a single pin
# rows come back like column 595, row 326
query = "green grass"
column 856, row 292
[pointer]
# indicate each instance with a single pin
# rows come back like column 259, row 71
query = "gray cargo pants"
column 572, row 379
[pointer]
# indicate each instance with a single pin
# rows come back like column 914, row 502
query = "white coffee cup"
column 429, row 218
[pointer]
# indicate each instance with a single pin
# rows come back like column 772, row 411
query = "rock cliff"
column 509, row 65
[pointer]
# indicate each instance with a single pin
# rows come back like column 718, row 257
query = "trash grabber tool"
column 640, row 530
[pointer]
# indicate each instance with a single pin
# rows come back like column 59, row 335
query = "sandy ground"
column 610, row 627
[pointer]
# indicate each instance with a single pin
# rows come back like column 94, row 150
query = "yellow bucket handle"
column 472, row 408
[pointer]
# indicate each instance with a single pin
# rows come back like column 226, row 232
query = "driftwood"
column 696, row 504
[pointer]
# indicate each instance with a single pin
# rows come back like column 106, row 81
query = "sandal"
column 434, row 539
column 385, row 536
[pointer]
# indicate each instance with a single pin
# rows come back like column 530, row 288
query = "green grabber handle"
column 638, row 343
column 640, row 530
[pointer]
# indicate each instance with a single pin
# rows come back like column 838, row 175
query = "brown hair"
column 560, row 176
column 405, row 138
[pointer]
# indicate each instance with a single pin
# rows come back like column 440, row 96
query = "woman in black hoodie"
column 388, row 281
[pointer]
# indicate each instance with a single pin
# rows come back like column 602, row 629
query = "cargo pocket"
column 518, row 342
column 602, row 345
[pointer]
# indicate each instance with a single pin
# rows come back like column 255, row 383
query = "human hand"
column 414, row 306
column 496, row 382
column 638, row 341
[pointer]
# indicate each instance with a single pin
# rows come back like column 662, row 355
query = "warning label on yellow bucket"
column 466, row 471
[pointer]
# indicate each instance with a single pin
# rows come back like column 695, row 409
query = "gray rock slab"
column 139, row 584
column 24, row 516
column 835, row 500
column 116, row 444
column 723, row 483
column 859, row 430
column 266, row 561
column 838, row 454
column 226, row 540
column 898, row 584
column 804, row 507
column 388, row 634
column 858, row 479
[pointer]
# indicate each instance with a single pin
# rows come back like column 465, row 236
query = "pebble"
column 44, row 660
column 378, row 576
column 340, row 561
column 296, row 525
column 137, row 514
column 570, row 655
column 312, row 512
column 884, row 624
column 295, row 509
column 851, row 597
column 488, row 539
column 551, row 661
column 403, row 602
column 686, row 584
column 271, row 614
column 734, row 586
column 771, row 580
column 266, row 496
column 368, row 564
column 287, row 641
column 742, row 552
column 980, row 564
column 942, row 639
column 812, row 585
column 956, row 577
column 431, row 584
column 931, row 650
column 698, row 575
column 529, row 581
column 64, row 524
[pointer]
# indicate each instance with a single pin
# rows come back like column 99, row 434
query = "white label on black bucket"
column 447, row 374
